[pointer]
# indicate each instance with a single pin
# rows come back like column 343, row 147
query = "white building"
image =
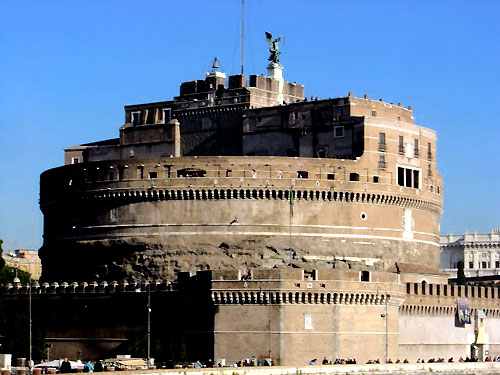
column 479, row 252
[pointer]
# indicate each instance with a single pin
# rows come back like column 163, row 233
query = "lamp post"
column 149, row 326
column 385, row 316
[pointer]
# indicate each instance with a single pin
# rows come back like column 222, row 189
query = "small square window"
column 330, row 176
column 75, row 161
column 338, row 131
column 375, row 179
column 471, row 264
column 153, row 174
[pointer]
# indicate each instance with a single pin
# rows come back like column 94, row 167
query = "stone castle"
column 259, row 223
column 205, row 182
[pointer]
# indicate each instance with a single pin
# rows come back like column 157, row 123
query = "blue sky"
column 68, row 68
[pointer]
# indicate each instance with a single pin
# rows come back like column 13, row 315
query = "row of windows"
column 382, row 146
column 406, row 177
column 485, row 264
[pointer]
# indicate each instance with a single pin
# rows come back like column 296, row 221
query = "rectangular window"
column 153, row 175
column 338, row 131
column 415, row 148
column 408, row 178
column 401, row 176
column 374, row 113
column 167, row 115
column 140, row 172
column 136, row 118
column 375, row 179
column 429, row 151
column 330, row 176
column 483, row 265
column 429, row 171
column 415, row 179
column 497, row 264
column 75, row 161
column 302, row 174
column 112, row 214
column 381, row 142
column 401, row 146
column 381, row 138
column 120, row 173
column 471, row 264
column 308, row 322
column 381, row 161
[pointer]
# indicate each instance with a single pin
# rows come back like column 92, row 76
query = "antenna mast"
column 242, row 35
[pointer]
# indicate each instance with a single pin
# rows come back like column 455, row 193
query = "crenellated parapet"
column 93, row 287
column 440, row 299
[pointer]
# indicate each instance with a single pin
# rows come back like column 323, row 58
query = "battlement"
column 92, row 287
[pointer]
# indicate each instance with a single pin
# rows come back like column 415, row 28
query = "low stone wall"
column 409, row 368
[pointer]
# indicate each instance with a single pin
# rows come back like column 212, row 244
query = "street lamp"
column 385, row 316
column 149, row 325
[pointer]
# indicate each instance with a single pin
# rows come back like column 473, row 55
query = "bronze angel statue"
column 273, row 48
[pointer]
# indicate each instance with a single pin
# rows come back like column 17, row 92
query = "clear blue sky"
column 68, row 68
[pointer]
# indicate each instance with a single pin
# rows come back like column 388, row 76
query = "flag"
column 292, row 201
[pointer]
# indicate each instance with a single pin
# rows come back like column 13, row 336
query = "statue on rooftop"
column 273, row 48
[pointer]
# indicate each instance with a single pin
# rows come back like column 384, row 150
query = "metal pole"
column 269, row 301
column 242, row 35
column 149, row 325
column 31, row 323
column 386, row 331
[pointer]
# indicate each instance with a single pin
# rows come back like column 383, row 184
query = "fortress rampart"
column 243, row 203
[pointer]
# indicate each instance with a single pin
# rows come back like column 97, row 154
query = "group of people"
column 337, row 361
column 66, row 368
column 249, row 362
column 352, row 361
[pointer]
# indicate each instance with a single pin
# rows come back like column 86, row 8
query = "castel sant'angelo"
column 262, row 223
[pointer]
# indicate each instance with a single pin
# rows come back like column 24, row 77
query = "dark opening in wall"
column 190, row 172
column 330, row 176
column 415, row 179
column 153, row 174
column 353, row 177
column 401, row 176
column 291, row 152
column 365, row 276
column 375, row 179
column 135, row 118
column 302, row 174
column 408, row 177
column 229, row 172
